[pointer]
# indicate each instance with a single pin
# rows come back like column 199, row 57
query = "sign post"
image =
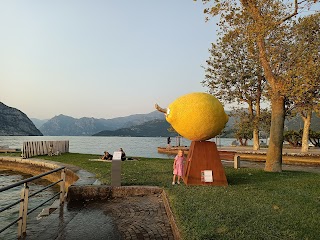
column 116, row 170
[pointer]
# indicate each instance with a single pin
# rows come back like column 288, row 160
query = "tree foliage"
column 266, row 23
column 233, row 74
column 242, row 127
column 265, row 121
column 303, row 85
column 294, row 138
column 314, row 138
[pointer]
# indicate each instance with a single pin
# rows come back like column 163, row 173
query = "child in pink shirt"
column 178, row 167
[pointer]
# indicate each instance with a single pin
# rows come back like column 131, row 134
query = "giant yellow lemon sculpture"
column 196, row 116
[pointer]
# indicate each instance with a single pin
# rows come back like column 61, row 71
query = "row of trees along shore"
column 267, row 50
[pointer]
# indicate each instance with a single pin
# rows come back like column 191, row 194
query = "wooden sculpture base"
column 203, row 157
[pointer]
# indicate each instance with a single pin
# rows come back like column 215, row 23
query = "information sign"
column 206, row 176
column 116, row 156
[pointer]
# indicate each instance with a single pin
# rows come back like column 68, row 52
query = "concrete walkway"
column 140, row 217
column 77, row 222
column 292, row 156
column 312, row 150
column 260, row 165
column 120, row 218
column 285, row 167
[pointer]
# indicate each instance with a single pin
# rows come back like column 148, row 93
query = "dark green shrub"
column 294, row 138
column 314, row 138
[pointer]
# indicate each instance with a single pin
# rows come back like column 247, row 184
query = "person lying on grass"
column 106, row 156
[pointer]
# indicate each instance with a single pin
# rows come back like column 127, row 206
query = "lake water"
column 7, row 178
column 133, row 146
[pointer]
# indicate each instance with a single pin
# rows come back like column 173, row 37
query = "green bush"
column 294, row 138
column 314, row 138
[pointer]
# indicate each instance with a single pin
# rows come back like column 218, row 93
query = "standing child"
column 178, row 167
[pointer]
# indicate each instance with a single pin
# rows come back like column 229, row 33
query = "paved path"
column 286, row 167
column 140, row 217
column 78, row 222
column 120, row 218
column 260, row 165
column 312, row 150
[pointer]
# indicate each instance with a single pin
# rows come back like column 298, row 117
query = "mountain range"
column 68, row 126
column 139, row 125
column 38, row 122
column 13, row 122
column 153, row 128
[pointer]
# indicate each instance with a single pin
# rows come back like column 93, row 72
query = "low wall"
column 36, row 167
column 103, row 192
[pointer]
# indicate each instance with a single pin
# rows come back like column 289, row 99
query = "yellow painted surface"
column 197, row 116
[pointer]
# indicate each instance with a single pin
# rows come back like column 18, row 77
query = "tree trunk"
column 255, row 127
column 256, row 144
column 305, row 135
column 241, row 141
column 274, row 153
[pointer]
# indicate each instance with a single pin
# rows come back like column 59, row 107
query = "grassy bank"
column 255, row 205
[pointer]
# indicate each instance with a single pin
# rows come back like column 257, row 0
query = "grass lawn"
column 255, row 205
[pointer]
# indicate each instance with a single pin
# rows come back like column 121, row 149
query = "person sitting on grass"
column 106, row 156
column 123, row 155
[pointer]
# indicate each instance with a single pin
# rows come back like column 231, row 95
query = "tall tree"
column 242, row 127
column 233, row 74
column 304, row 88
column 264, row 18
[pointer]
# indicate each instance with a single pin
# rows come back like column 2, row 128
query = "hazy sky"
column 100, row 59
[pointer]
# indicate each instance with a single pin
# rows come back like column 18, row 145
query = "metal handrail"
column 23, row 213
column 32, row 210
column 30, row 179
column 10, row 224
column 10, row 206
column 52, row 184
